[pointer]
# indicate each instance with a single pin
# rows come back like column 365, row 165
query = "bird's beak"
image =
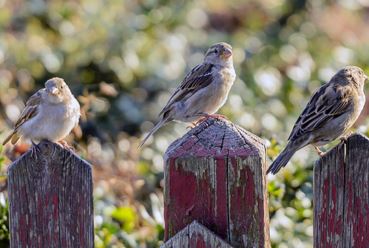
column 54, row 91
column 227, row 53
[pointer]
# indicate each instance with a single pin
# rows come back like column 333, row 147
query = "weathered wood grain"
column 215, row 174
column 341, row 196
column 50, row 199
column 195, row 235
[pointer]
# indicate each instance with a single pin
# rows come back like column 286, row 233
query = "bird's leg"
column 65, row 145
column 191, row 125
column 217, row 116
column 205, row 116
column 320, row 153
column 199, row 121
column 202, row 117
column 344, row 138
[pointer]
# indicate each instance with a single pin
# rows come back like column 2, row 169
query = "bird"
column 328, row 115
column 203, row 90
column 49, row 114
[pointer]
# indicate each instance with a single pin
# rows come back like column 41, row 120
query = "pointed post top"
column 195, row 235
column 216, row 138
column 45, row 153
column 50, row 199
column 215, row 174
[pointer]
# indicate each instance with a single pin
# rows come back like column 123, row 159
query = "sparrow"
column 329, row 114
column 203, row 90
column 50, row 114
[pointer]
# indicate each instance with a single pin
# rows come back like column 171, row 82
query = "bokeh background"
column 124, row 58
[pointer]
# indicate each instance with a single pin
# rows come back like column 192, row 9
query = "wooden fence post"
column 341, row 196
column 215, row 174
column 50, row 196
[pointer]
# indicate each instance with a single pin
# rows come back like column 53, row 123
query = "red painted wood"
column 215, row 174
column 187, row 189
column 341, row 196
column 50, row 198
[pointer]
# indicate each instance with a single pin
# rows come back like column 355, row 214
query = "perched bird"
column 50, row 114
column 203, row 91
column 328, row 115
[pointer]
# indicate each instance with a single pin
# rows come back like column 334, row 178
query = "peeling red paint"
column 193, row 197
column 50, row 200
column 341, row 196
column 198, row 241
column 217, row 177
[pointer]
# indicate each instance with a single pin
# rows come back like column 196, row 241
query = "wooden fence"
column 214, row 196
column 341, row 196
column 215, row 174
column 50, row 196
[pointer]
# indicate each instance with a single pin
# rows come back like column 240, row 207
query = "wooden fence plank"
column 50, row 198
column 215, row 174
column 341, row 196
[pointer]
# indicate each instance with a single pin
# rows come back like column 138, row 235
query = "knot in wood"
column 216, row 137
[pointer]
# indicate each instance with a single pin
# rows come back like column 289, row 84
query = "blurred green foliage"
column 4, row 223
column 123, row 58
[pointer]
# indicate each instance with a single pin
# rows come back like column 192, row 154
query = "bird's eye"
column 216, row 51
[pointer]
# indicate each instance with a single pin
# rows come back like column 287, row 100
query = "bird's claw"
column 207, row 116
column 191, row 125
column 217, row 116
column 344, row 138
column 196, row 123
column 320, row 152
column 65, row 145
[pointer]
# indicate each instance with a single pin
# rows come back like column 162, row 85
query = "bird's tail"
column 153, row 130
column 14, row 137
column 281, row 160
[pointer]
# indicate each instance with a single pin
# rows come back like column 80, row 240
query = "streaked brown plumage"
column 329, row 114
column 203, row 91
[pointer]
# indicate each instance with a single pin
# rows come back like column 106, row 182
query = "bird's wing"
column 31, row 109
column 328, row 102
column 198, row 78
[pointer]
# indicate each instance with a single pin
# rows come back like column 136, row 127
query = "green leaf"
column 126, row 216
